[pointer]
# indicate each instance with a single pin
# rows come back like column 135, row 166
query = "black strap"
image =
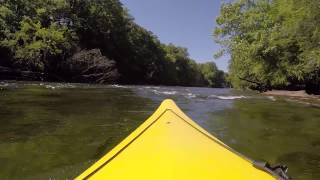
column 278, row 170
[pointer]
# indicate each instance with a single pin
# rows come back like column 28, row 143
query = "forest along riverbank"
column 66, row 41
column 57, row 130
column 289, row 60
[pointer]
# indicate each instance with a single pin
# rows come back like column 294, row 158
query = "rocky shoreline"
column 297, row 94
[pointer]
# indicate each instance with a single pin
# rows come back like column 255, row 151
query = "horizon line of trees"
column 93, row 41
column 274, row 44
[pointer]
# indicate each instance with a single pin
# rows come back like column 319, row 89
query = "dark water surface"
column 55, row 131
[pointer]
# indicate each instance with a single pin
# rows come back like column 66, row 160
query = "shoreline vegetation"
column 93, row 41
column 272, row 44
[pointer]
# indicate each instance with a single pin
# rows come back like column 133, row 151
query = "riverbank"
column 297, row 94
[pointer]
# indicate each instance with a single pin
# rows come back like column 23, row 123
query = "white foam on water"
column 152, row 87
column 50, row 87
column 4, row 85
column 164, row 92
column 228, row 97
column 190, row 95
column 117, row 86
column 272, row 98
column 56, row 86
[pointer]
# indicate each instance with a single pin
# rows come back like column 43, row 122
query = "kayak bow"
column 170, row 146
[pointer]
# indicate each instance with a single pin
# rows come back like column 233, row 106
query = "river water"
column 55, row 131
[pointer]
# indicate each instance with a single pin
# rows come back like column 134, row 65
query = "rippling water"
column 52, row 130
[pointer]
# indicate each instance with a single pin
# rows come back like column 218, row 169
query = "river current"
column 56, row 130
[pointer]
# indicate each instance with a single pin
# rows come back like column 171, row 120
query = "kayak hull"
column 169, row 145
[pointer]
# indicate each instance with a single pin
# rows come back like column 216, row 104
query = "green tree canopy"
column 46, row 35
column 273, row 44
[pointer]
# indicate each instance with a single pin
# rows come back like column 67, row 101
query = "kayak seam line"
column 124, row 147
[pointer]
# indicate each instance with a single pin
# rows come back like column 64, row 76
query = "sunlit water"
column 55, row 131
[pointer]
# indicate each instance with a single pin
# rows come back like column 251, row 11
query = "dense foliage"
column 49, row 35
column 273, row 43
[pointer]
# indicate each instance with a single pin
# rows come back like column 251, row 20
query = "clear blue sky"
column 187, row 23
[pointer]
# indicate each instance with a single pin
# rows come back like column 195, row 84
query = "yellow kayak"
column 170, row 146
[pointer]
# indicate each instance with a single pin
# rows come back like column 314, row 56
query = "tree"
column 33, row 45
column 212, row 75
column 52, row 36
column 272, row 43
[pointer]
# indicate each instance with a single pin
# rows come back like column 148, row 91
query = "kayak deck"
column 170, row 146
